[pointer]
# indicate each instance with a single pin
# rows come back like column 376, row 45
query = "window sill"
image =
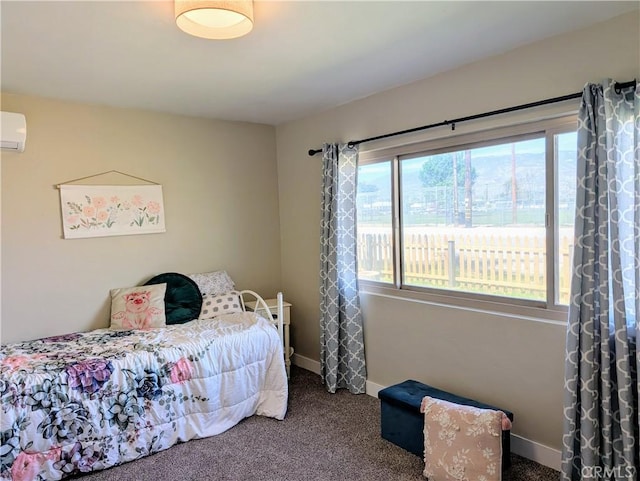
column 557, row 316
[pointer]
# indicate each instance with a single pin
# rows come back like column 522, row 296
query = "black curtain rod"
column 618, row 86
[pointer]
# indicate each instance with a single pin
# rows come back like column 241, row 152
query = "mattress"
column 88, row 401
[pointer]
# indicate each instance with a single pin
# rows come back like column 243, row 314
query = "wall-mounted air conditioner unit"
column 13, row 131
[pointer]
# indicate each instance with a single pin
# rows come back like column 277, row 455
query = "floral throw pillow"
column 214, row 306
column 139, row 307
column 214, row 283
column 461, row 442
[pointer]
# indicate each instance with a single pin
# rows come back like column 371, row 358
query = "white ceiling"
column 301, row 57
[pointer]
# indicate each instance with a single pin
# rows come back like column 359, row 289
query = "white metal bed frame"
column 261, row 304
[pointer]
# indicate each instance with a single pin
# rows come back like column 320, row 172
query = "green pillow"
column 182, row 300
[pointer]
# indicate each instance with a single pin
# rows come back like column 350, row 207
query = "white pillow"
column 214, row 283
column 214, row 306
column 140, row 307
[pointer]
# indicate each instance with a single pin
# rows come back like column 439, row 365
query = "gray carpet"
column 324, row 437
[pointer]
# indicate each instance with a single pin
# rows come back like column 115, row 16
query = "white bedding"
column 88, row 401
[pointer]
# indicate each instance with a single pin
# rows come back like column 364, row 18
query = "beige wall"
column 220, row 192
column 512, row 362
column 221, row 185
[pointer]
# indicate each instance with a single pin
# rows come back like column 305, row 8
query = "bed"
column 87, row 401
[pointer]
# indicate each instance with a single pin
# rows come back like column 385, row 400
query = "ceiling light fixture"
column 214, row 19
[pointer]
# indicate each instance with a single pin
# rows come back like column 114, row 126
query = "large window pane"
column 375, row 229
column 565, row 154
column 474, row 220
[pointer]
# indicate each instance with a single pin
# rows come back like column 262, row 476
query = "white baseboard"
column 306, row 363
column 314, row 366
column 521, row 446
column 536, row 452
column 373, row 388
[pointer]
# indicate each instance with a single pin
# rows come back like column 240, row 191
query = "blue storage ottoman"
column 403, row 424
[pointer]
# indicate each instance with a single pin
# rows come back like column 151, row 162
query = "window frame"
column 546, row 129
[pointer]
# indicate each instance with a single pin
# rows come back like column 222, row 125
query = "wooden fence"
column 501, row 264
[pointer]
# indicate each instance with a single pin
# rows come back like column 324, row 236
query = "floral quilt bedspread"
column 87, row 401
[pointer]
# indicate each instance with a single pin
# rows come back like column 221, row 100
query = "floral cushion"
column 214, row 283
column 140, row 307
column 461, row 443
column 214, row 306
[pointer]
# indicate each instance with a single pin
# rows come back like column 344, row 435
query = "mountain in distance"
column 493, row 175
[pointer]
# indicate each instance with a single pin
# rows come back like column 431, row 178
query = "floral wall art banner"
column 106, row 210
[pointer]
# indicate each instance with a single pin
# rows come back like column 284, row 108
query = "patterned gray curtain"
column 342, row 359
column 601, row 374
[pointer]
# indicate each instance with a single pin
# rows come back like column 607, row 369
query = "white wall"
column 508, row 361
column 220, row 194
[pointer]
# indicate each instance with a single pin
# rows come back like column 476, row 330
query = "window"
column 375, row 231
column 486, row 215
